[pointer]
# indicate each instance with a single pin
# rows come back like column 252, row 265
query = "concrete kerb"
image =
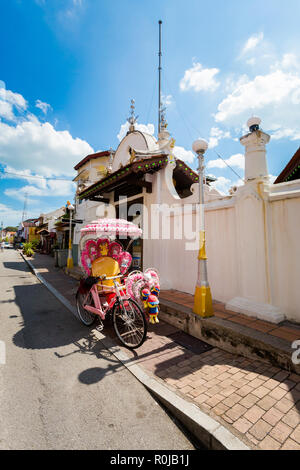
column 208, row 431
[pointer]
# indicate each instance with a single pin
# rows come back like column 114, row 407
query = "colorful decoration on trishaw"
column 103, row 247
column 144, row 288
column 109, row 287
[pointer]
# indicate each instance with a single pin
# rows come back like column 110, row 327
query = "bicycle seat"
column 105, row 265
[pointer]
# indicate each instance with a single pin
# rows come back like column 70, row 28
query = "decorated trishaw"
column 110, row 288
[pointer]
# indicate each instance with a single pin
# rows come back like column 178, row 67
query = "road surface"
column 60, row 388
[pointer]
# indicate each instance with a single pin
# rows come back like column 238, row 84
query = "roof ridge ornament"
column 133, row 118
column 163, row 121
column 164, row 135
column 132, row 155
column 111, row 159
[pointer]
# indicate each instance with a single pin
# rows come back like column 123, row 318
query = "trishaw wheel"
column 85, row 317
column 129, row 323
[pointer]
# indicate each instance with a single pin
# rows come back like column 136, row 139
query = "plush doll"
column 152, row 304
column 144, row 296
column 155, row 290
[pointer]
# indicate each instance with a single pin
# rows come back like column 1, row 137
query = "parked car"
column 8, row 245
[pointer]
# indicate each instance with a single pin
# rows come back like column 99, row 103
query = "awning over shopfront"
column 134, row 173
column 44, row 232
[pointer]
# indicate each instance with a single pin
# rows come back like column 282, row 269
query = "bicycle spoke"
column 86, row 317
column 130, row 324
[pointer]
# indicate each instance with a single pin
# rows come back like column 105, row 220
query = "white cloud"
column 41, row 148
column 224, row 184
column 147, row 128
column 10, row 216
column 216, row 135
column 14, row 99
column 251, row 61
column 233, row 82
column 45, row 107
column 185, row 155
column 52, row 188
column 72, row 11
column 37, row 150
column 9, row 100
column 6, row 111
column 237, row 160
column 198, row 78
column 167, row 100
column 276, row 96
column 24, row 174
column 263, row 90
column 252, row 43
column 292, row 134
column 289, row 62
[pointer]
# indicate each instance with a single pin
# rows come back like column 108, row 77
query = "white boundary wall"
column 252, row 241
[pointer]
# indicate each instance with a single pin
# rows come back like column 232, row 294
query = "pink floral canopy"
column 112, row 228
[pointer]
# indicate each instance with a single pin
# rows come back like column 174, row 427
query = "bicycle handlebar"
column 104, row 278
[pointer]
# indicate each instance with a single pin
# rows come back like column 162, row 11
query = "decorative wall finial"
column 253, row 123
column 132, row 119
column 163, row 121
column 110, row 162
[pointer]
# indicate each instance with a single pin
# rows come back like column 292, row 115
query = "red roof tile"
column 106, row 153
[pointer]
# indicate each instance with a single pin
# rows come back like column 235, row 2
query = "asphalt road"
column 60, row 388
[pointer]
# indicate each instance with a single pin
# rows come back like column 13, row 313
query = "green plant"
column 28, row 249
column 35, row 244
column 29, row 252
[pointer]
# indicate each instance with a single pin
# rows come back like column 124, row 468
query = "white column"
column 255, row 151
column 254, row 235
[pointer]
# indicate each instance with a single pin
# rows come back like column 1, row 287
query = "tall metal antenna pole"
column 159, row 77
column 24, row 215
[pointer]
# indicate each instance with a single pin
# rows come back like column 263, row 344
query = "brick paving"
column 257, row 402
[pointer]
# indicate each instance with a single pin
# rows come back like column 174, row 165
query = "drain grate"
column 189, row 342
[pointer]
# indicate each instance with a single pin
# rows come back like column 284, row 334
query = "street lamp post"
column 202, row 299
column 70, row 263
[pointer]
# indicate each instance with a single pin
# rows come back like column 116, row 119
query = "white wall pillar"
column 254, row 259
column 255, row 151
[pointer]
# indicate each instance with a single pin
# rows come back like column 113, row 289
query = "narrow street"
column 59, row 388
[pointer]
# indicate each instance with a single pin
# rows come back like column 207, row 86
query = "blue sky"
column 70, row 67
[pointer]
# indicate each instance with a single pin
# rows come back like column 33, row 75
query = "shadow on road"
column 47, row 324
column 16, row 266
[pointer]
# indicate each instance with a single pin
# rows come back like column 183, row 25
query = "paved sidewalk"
column 258, row 403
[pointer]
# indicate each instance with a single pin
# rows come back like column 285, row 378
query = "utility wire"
column 23, row 175
column 228, row 165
